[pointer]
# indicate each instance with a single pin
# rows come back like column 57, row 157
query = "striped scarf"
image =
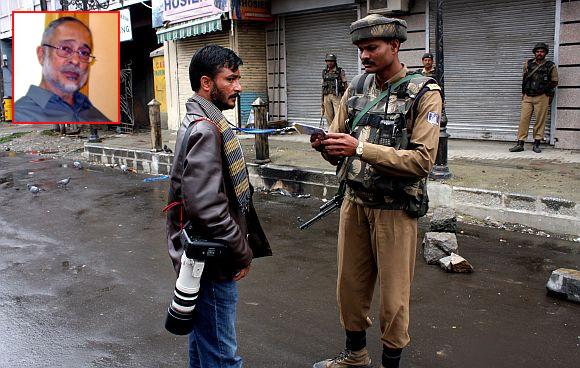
column 232, row 150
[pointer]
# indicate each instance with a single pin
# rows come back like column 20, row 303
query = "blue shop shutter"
column 246, row 100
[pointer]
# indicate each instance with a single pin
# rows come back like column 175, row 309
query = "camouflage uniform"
column 377, row 236
column 334, row 84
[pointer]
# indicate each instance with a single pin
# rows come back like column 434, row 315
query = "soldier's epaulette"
column 433, row 87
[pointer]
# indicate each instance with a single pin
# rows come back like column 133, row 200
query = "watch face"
column 359, row 150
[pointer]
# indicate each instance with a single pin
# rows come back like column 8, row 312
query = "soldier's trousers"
column 331, row 103
column 538, row 105
column 376, row 244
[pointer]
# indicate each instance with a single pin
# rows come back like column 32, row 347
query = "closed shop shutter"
column 485, row 45
column 308, row 38
column 185, row 50
column 251, row 40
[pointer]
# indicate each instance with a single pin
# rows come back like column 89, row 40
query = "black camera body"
column 181, row 311
column 201, row 249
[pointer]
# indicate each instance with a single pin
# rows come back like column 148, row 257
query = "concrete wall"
column 567, row 132
column 413, row 49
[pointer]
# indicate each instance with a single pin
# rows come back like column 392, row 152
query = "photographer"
column 210, row 194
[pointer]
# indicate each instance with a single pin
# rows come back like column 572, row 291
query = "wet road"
column 85, row 281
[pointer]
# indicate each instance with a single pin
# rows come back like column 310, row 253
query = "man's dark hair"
column 52, row 26
column 208, row 61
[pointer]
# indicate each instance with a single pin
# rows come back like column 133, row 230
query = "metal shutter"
column 308, row 39
column 251, row 41
column 485, row 45
column 185, row 50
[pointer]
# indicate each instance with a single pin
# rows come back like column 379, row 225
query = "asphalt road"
column 85, row 282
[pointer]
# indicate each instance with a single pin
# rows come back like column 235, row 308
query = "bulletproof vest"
column 384, row 124
column 430, row 74
column 331, row 82
column 538, row 83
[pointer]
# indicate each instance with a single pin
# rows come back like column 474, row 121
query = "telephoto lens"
column 181, row 311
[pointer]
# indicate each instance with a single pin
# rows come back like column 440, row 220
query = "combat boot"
column 519, row 147
column 347, row 359
column 536, row 146
column 391, row 357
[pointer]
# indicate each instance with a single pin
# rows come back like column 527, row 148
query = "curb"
column 551, row 214
column 321, row 184
column 142, row 161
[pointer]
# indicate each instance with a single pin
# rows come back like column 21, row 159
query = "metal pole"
column 440, row 170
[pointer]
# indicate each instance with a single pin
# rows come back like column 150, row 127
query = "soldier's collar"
column 400, row 74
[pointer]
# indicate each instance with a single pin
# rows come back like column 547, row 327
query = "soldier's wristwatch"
column 359, row 149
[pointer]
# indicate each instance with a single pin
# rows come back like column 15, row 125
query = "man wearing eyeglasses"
column 65, row 55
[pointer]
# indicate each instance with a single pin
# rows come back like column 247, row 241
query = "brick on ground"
column 565, row 283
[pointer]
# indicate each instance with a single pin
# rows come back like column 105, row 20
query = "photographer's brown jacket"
column 209, row 201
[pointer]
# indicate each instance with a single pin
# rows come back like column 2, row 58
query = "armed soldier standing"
column 539, row 80
column 386, row 134
column 334, row 84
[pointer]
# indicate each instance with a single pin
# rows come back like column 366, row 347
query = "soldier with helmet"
column 384, row 138
column 334, row 84
column 539, row 81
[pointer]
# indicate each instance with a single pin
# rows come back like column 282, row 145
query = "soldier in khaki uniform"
column 428, row 69
column 386, row 134
column 539, row 80
column 334, row 84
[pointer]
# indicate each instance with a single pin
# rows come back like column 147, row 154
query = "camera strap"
column 183, row 154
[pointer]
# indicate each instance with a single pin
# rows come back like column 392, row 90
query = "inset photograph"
column 66, row 67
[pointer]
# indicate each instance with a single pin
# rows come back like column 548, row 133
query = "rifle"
column 327, row 207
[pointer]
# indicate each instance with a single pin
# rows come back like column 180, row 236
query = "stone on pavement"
column 455, row 263
column 438, row 245
column 565, row 283
column 444, row 220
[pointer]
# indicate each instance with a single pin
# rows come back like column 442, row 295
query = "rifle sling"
column 379, row 98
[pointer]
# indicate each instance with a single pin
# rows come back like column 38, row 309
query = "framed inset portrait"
column 66, row 67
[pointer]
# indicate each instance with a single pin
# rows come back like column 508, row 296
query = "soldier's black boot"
column 391, row 357
column 536, row 146
column 519, row 147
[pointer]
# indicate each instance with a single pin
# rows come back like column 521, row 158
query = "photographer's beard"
column 50, row 75
column 221, row 100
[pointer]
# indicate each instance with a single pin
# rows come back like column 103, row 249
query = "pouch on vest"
column 419, row 205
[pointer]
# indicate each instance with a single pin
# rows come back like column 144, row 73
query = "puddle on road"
column 535, row 264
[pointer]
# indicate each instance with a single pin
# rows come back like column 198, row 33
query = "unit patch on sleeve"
column 433, row 118
column 434, row 87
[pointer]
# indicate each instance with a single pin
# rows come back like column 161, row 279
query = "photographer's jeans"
column 212, row 344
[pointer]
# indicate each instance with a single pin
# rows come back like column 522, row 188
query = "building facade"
column 567, row 100
column 183, row 29
column 283, row 44
column 485, row 45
